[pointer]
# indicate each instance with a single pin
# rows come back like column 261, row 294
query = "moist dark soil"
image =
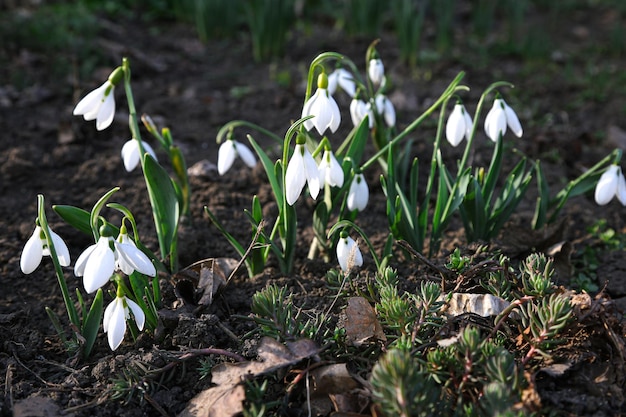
column 194, row 89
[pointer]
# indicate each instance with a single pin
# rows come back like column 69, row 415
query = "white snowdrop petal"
column 607, row 186
column 247, row 156
column 226, row 156
column 336, row 173
column 108, row 311
column 130, row 155
column 335, row 120
column 346, row 81
column 513, row 121
column 106, row 113
column 306, row 111
column 455, row 127
column 136, row 258
column 32, row 252
column 495, row 122
column 312, row 174
column 63, row 253
column 389, row 113
column 79, row 267
column 90, row 101
column 117, row 325
column 342, row 250
column 99, row 267
column 469, row 124
column 140, row 316
column 295, row 177
column 621, row 188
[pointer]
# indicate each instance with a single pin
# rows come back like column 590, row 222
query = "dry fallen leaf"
column 199, row 282
column 226, row 397
column 362, row 325
column 484, row 305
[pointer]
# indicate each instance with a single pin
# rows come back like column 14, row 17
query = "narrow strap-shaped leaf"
column 165, row 207
column 541, row 209
column 270, row 169
column 92, row 323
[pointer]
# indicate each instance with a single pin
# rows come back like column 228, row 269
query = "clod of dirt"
column 36, row 406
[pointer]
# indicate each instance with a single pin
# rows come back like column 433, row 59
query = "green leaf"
column 541, row 209
column 165, row 207
column 270, row 170
column 92, row 323
column 180, row 169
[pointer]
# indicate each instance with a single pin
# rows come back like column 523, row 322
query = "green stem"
column 43, row 223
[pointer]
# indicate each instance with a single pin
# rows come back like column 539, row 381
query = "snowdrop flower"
column 459, row 125
column 323, row 107
column 348, row 253
column 358, row 110
column 115, row 316
column 499, row 117
column 376, row 70
column 98, row 262
column 227, row 153
column 385, row 107
column 131, row 155
column 342, row 78
column 611, row 184
column 129, row 258
column 99, row 105
column 330, row 171
column 359, row 193
column 36, row 248
column 301, row 169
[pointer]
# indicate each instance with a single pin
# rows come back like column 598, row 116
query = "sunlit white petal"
column 330, row 171
column 495, row 122
column 140, row 316
column 106, row 113
column 295, row 177
column 131, row 155
column 32, row 252
column 63, row 253
column 513, row 121
column 246, row 155
column 312, row 174
column 459, row 125
column 116, row 326
column 358, row 195
column 376, row 70
column 348, row 254
column 130, row 259
column 100, row 266
column 324, row 108
column 98, row 105
column 385, row 107
column 226, row 156
column 608, row 185
column 621, row 189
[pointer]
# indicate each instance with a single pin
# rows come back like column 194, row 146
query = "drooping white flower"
column 499, row 117
column 342, row 78
column 36, row 248
column 131, row 155
column 358, row 110
column 229, row 150
column 459, row 125
column 348, row 253
column 376, row 70
column 128, row 258
column 330, row 171
column 359, row 193
column 96, row 264
column 300, row 170
column 323, row 107
column 99, row 105
column 611, row 184
column 384, row 106
column 115, row 316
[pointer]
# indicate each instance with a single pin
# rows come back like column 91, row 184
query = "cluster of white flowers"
column 96, row 265
column 501, row 116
